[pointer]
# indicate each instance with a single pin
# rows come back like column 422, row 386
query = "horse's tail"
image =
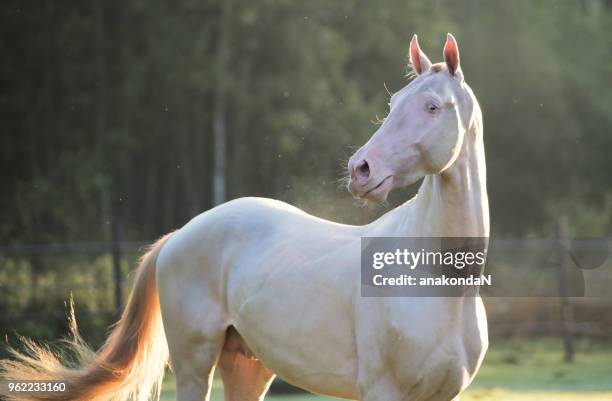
column 130, row 364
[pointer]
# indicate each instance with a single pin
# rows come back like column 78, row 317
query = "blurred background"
column 121, row 120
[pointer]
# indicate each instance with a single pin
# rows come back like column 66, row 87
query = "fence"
column 37, row 280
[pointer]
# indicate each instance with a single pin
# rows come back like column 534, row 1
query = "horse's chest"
column 422, row 347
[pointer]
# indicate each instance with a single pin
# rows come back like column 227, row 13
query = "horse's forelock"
column 437, row 67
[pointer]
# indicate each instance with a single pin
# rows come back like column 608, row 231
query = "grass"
column 513, row 370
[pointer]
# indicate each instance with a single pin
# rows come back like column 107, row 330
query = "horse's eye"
column 432, row 108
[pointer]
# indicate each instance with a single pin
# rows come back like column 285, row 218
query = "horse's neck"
column 451, row 204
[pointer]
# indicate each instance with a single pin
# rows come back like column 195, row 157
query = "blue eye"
column 432, row 108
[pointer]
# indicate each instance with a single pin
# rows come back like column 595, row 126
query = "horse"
column 258, row 288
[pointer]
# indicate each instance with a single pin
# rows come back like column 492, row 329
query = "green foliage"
column 107, row 115
column 34, row 302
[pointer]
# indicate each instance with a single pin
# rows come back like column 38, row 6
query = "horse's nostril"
column 363, row 170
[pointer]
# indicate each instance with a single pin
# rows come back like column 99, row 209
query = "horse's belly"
column 302, row 333
column 303, row 372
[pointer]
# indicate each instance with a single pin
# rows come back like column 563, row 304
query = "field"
column 519, row 370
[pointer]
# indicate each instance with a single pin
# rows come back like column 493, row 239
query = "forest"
column 122, row 120
column 141, row 115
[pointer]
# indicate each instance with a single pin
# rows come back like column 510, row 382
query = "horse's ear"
column 418, row 59
column 451, row 56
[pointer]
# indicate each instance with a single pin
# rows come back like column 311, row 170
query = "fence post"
column 116, row 255
column 566, row 309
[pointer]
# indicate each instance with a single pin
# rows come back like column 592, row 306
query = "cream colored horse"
column 257, row 287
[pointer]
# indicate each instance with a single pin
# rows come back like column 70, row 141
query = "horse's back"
column 230, row 224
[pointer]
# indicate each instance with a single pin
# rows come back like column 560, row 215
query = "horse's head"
column 423, row 132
